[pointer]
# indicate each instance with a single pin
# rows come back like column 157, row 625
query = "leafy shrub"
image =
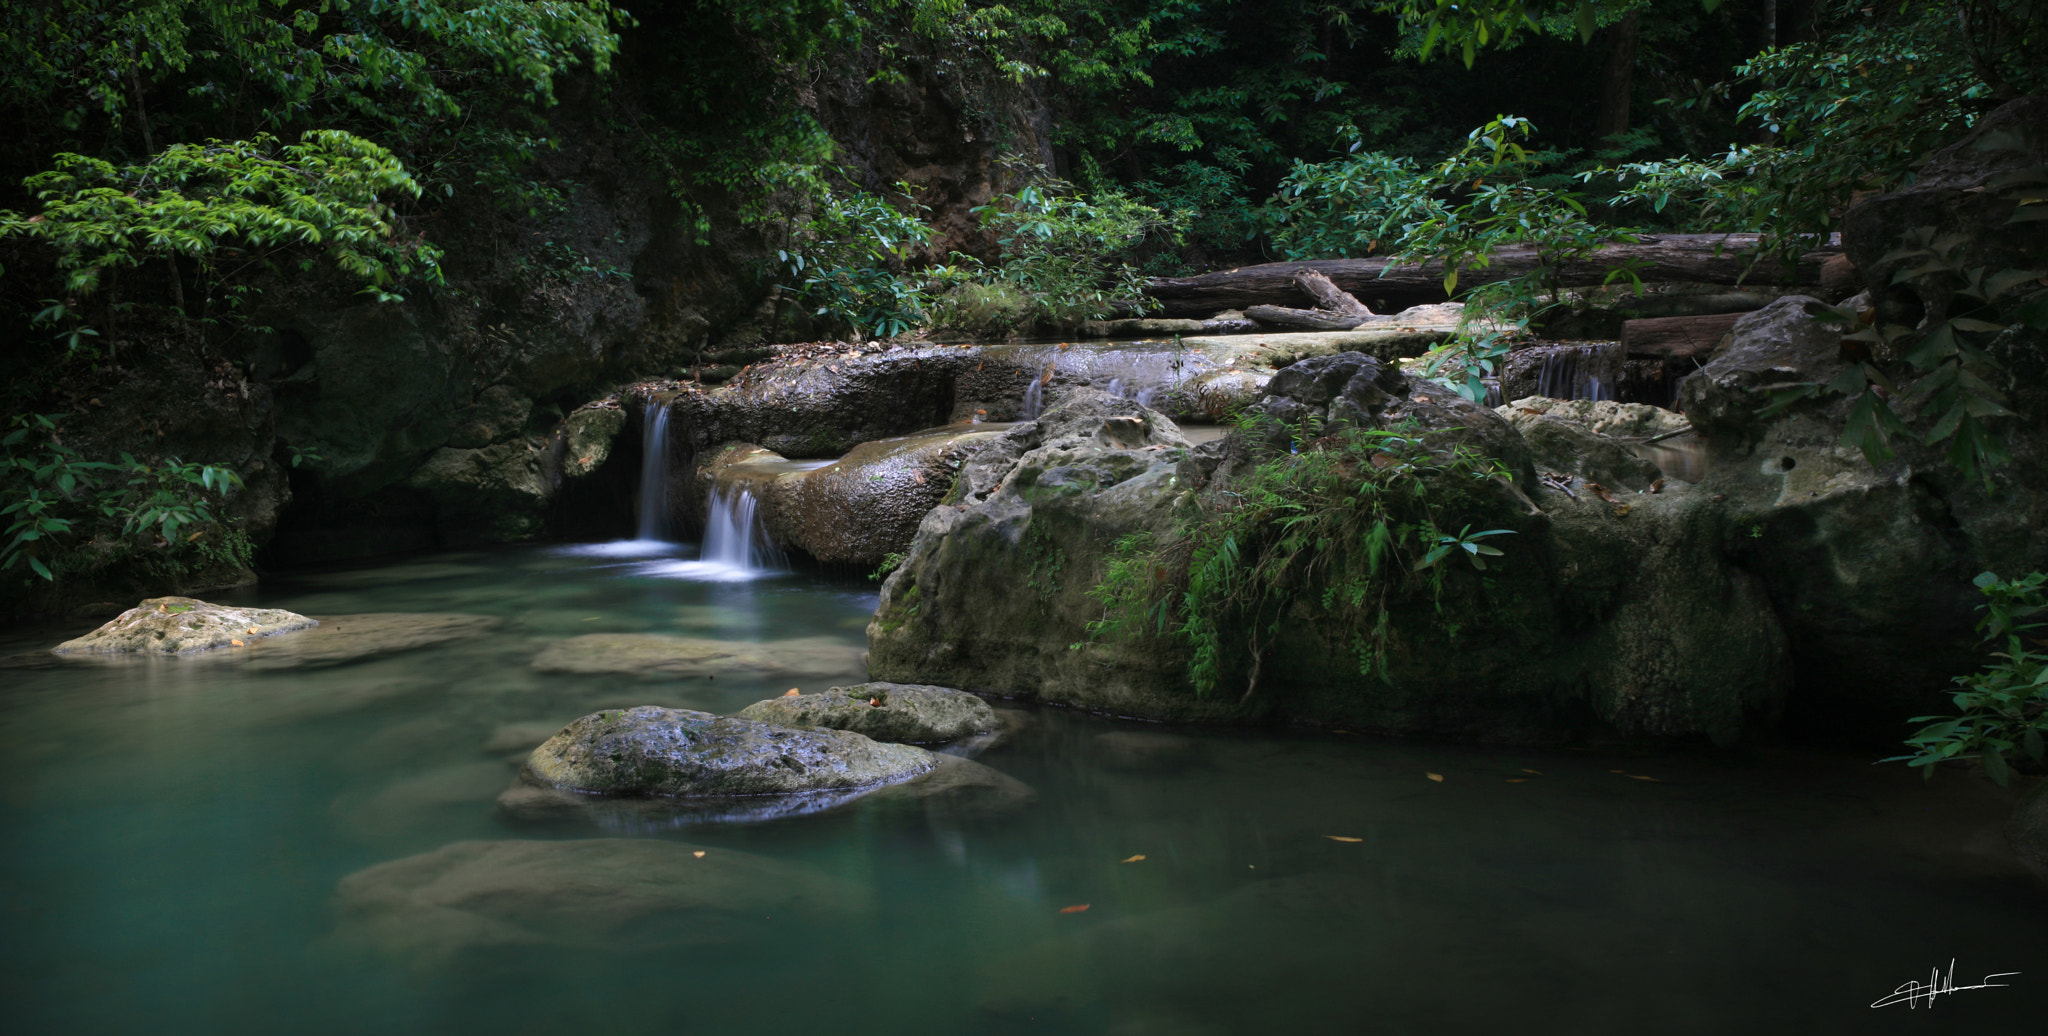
column 2003, row 707
column 847, row 264
column 1070, row 257
column 57, row 503
column 1346, row 525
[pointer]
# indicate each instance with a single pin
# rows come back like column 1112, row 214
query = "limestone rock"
column 1591, row 438
column 651, row 655
column 601, row 893
column 904, row 713
column 858, row 510
column 1779, row 346
column 182, row 625
column 490, row 495
column 587, row 437
column 655, row 751
column 1971, row 190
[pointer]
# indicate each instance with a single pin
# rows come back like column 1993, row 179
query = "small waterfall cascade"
column 1580, row 371
column 1034, row 400
column 653, row 524
column 734, row 536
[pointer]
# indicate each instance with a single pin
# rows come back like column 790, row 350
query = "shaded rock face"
column 655, row 751
column 1591, row 439
column 587, row 894
column 857, row 510
column 182, row 625
column 903, row 713
column 1602, row 620
column 1868, row 569
column 1965, row 189
column 2027, row 831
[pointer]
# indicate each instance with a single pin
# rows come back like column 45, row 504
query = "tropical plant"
column 2002, row 709
column 1346, row 525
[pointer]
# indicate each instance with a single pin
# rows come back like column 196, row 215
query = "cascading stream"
column 735, row 538
column 653, row 525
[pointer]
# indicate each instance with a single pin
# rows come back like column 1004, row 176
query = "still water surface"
column 175, row 835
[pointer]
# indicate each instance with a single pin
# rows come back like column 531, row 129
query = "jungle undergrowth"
column 1339, row 531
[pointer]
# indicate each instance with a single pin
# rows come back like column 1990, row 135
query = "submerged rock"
column 655, row 751
column 660, row 655
column 904, row 713
column 183, row 625
column 1145, row 751
column 954, row 787
column 341, row 639
column 588, row 894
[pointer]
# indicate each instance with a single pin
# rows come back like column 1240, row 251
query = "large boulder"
column 1607, row 617
column 655, row 751
column 183, row 625
column 858, row 510
column 903, row 713
column 495, row 494
column 1968, row 192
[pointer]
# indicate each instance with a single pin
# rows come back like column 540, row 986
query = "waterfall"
column 654, row 475
column 1580, row 372
column 734, row 537
column 1034, row 400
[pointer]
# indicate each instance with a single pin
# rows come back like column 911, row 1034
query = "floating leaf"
column 1640, row 777
column 1538, row 773
column 1518, row 780
column 1347, row 838
column 699, row 853
column 236, row 643
column 791, row 693
column 1075, row 909
column 1132, row 859
column 1435, row 777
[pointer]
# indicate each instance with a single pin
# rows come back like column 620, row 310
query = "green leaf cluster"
column 2002, row 710
column 1341, row 530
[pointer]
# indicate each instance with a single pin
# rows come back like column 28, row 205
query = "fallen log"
column 1307, row 319
column 1702, row 258
column 1330, row 297
column 1676, row 338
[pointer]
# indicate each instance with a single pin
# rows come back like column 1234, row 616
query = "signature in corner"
column 1912, row 994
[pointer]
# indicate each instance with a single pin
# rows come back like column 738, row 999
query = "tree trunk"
column 1676, row 338
column 1310, row 319
column 1328, row 296
column 1702, row 258
column 1618, row 82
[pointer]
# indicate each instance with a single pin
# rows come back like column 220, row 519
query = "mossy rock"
column 904, row 713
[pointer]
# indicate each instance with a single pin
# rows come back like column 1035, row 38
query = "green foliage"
column 167, row 116
column 890, row 562
column 56, row 502
column 1068, row 256
column 1340, row 531
column 1488, row 196
column 2003, row 708
column 229, row 203
column 847, row 264
column 1947, row 376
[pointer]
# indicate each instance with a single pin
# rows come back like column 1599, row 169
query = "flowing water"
column 654, row 462
column 180, row 836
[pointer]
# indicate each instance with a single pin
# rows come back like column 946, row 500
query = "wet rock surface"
column 579, row 894
column 903, row 713
column 954, row 787
column 655, row 655
column 649, row 751
column 183, row 625
column 858, row 510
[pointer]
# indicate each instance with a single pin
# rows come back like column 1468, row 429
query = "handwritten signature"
column 1913, row 993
